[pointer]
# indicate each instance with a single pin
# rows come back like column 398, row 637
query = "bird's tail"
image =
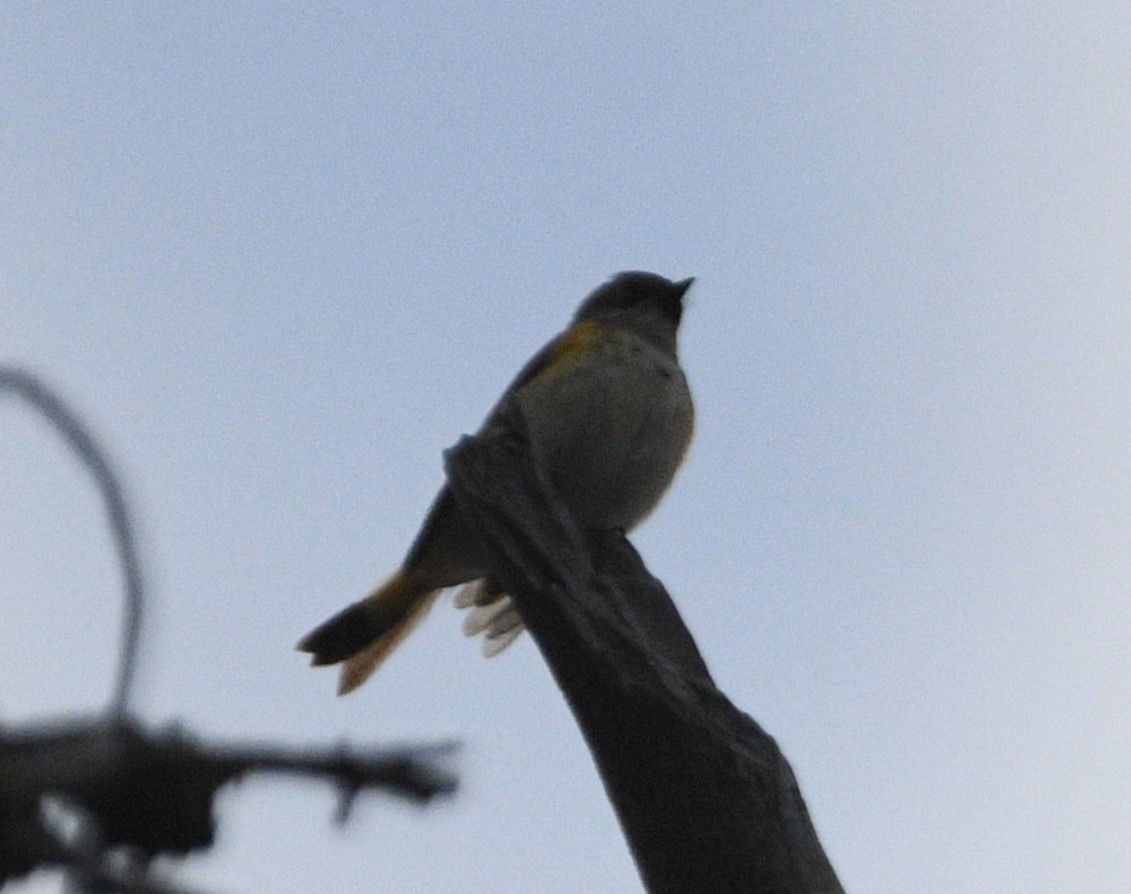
column 364, row 634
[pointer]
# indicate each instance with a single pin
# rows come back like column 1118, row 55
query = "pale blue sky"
column 282, row 258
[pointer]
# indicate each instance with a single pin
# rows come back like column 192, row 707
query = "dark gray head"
column 638, row 298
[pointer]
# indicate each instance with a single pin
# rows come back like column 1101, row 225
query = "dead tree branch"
column 705, row 797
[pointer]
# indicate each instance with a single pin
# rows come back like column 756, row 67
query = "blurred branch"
column 153, row 793
column 82, row 443
column 101, row 798
column 704, row 795
column 77, row 843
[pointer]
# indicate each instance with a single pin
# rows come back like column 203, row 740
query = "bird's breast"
column 612, row 429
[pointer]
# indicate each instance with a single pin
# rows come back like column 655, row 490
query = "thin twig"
column 82, row 443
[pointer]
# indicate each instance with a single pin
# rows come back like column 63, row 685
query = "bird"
column 610, row 417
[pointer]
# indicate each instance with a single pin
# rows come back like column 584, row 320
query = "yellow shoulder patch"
column 579, row 341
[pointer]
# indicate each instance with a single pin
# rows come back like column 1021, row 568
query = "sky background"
column 281, row 257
